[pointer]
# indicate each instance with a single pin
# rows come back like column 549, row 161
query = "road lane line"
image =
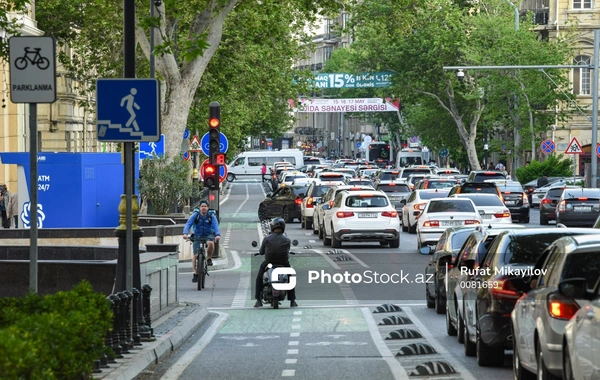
column 327, row 258
column 462, row 370
column 396, row 368
column 346, row 252
column 288, row 372
column 176, row 370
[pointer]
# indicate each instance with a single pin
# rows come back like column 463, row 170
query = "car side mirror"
column 426, row 250
column 416, row 213
column 575, row 288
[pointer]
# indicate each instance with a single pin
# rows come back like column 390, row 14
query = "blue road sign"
column 151, row 149
column 222, row 147
column 127, row 110
column 547, row 146
column 186, row 134
column 444, row 152
column 358, row 144
column 185, row 156
column 598, row 150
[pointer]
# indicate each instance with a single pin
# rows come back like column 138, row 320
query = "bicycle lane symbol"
column 41, row 62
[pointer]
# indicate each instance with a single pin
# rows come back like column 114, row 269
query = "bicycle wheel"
column 204, row 273
column 200, row 268
column 43, row 63
column 21, row 63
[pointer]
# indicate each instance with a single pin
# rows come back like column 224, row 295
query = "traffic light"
column 211, row 176
column 214, row 131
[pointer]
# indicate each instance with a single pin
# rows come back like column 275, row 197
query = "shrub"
column 57, row 336
column 553, row 166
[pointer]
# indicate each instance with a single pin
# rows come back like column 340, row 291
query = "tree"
column 188, row 35
column 416, row 38
column 9, row 24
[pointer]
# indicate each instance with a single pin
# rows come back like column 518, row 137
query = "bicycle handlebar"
column 290, row 252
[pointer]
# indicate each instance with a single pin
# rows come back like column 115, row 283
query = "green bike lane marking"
column 266, row 320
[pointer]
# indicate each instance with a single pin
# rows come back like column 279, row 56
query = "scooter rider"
column 276, row 248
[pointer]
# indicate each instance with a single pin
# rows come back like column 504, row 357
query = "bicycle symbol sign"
column 32, row 69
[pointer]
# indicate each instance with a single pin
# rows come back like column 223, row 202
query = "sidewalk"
column 171, row 331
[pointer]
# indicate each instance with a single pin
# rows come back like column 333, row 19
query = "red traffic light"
column 209, row 170
column 211, row 197
column 214, row 122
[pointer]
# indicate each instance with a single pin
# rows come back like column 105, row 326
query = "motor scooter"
column 269, row 293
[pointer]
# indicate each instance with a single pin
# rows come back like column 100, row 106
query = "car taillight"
column 309, row 203
column 298, row 201
column 419, row 206
column 506, row 289
column 504, row 214
column 330, row 203
column 564, row 206
column 525, row 199
column 472, row 221
column 546, row 201
column 391, row 214
column 344, row 214
column 530, row 190
column 561, row 308
column 431, row 223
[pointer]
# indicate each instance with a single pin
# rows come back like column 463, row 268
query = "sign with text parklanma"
column 32, row 69
column 346, row 105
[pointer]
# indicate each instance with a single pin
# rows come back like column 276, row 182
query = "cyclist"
column 206, row 227
column 276, row 248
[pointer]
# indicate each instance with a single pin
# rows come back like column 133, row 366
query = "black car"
column 530, row 186
column 285, row 202
column 482, row 175
column 446, row 249
column 549, row 202
column 578, row 207
column 498, row 283
column 515, row 199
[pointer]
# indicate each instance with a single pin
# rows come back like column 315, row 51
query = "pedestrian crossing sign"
column 574, row 147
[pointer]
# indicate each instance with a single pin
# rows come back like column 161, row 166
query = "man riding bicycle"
column 206, row 227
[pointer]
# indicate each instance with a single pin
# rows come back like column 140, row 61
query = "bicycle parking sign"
column 32, row 69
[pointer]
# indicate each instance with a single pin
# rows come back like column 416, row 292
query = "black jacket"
column 542, row 181
column 276, row 248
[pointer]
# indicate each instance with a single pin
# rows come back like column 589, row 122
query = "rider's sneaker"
column 258, row 303
column 209, row 262
column 293, row 304
column 195, row 278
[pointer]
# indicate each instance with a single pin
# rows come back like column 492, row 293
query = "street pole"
column 515, row 130
column 594, row 157
column 128, row 147
column 152, row 63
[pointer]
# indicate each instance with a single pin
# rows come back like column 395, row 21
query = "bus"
column 409, row 156
column 379, row 151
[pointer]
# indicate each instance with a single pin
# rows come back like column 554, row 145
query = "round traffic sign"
column 444, row 152
column 358, row 145
column 598, row 150
column 367, row 139
column 206, row 141
column 547, row 146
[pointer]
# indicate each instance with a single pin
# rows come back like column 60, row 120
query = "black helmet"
column 278, row 223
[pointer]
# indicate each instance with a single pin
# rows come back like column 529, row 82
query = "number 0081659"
column 477, row 284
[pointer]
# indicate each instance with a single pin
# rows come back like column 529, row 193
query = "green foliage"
column 553, row 167
column 11, row 25
column 164, row 183
column 57, row 336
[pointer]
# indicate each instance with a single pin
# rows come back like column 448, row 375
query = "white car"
column 540, row 193
column 494, row 210
column 362, row 216
column 581, row 347
column 441, row 213
column 415, row 204
column 326, row 203
column 313, row 196
column 288, row 177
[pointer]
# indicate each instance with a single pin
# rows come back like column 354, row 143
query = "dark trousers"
column 291, row 294
column 265, row 177
column 16, row 221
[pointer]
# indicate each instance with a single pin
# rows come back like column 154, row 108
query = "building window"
column 581, row 77
column 582, row 4
column 327, row 50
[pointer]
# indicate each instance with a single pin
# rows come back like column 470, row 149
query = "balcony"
column 538, row 9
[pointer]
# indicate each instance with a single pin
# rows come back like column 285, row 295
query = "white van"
column 249, row 164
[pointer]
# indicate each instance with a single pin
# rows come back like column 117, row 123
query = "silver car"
column 539, row 317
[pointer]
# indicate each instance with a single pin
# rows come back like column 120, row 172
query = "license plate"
column 452, row 223
column 583, row 209
column 367, row 215
column 486, row 216
column 510, row 203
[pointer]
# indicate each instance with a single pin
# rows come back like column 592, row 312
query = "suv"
column 386, row 175
column 476, row 187
column 396, row 192
column 515, row 199
column 436, row 183
column 482, row 175
column 405, row 172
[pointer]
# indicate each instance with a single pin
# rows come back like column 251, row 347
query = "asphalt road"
column 336, row 332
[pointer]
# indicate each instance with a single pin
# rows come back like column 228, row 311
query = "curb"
column 139, row 361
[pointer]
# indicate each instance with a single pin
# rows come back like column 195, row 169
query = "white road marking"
column 296, row 319
column 288, row 372
column 291, row 361
column 176, row 370
column 293, row 351
column 293, row 343
column 294, row 335
column 396, row 368
column 327, row 258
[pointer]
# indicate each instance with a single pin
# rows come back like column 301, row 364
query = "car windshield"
column 440, row 184
column 486, row 201
column 394, row 188
column 300, row 189
column 459, row 238
column 455, row 205
column 582, row 264
column 366, row 201
column 433, row 194
column 527, row 249
column 479, row 189
column 320, row 190
column 555, row 193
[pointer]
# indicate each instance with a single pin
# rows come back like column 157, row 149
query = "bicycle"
column 201, row 264
column 37, row 60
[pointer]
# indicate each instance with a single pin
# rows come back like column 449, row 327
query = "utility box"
column 74, row 189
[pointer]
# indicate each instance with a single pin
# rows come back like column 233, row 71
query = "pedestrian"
column 3, row 203
column 491, row 166
column 263, row 171
column 12, row 207
column 542, row 181
column 499, row 167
